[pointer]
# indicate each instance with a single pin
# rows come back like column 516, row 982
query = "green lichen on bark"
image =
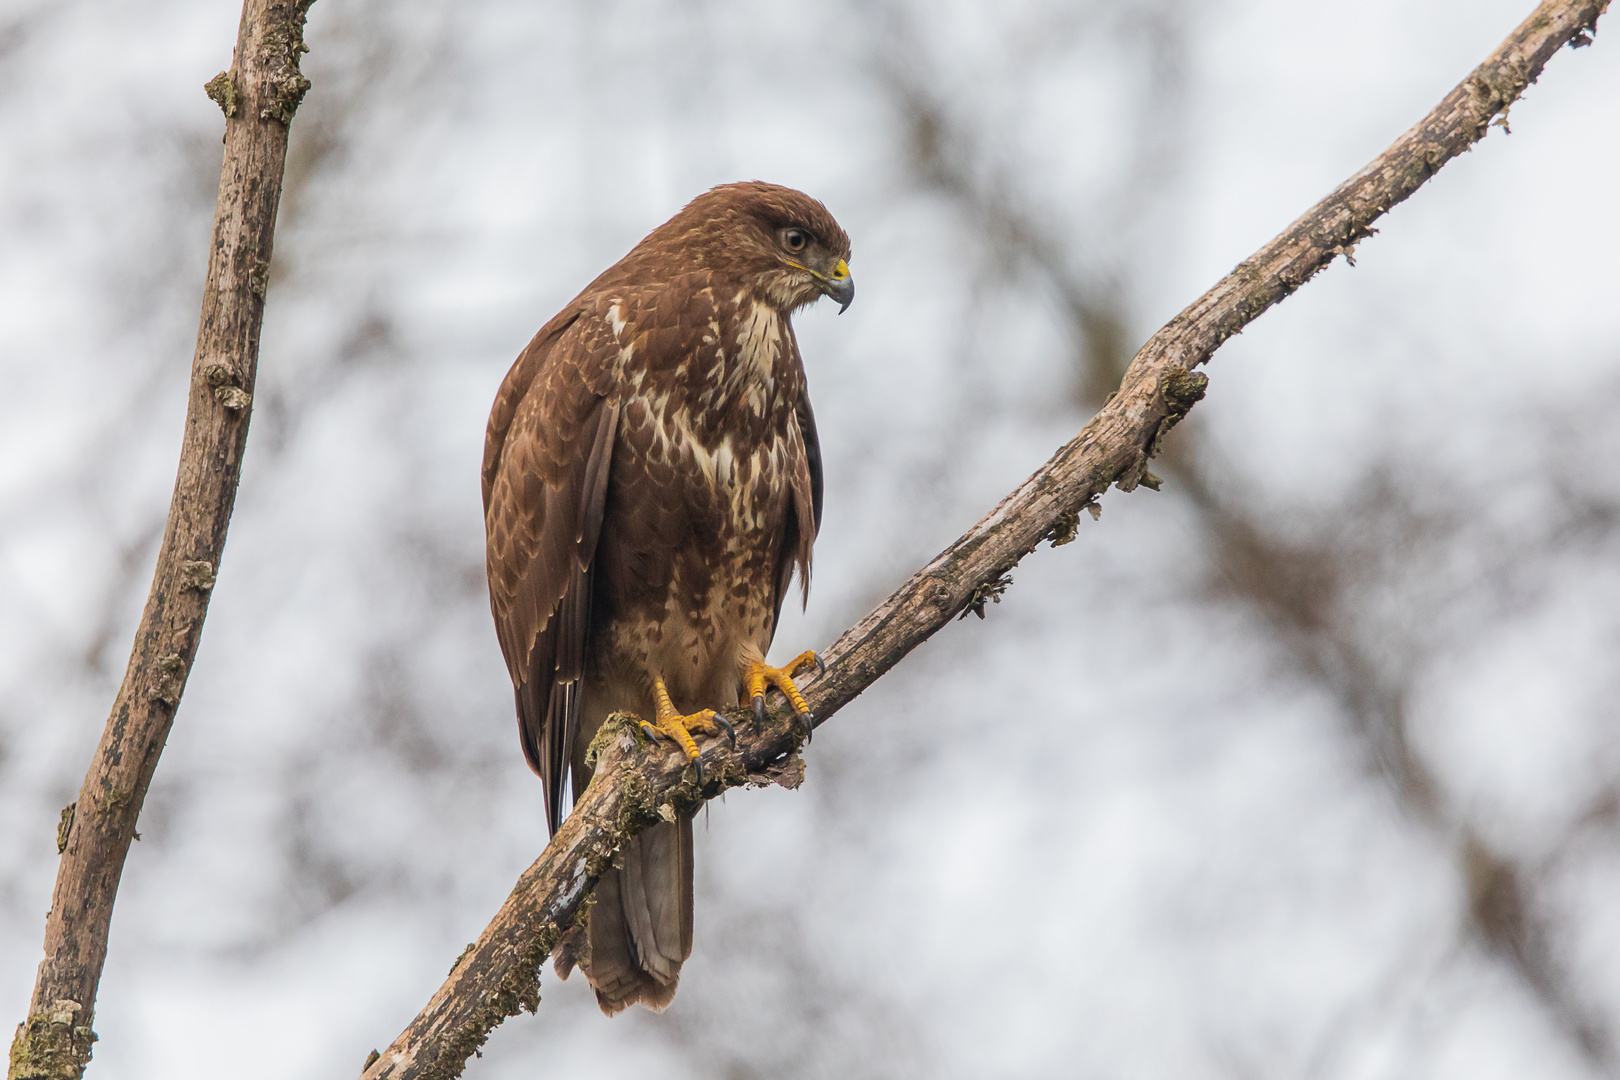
column 1064, row 529
column 987, row 593
column 233, row 397
column 519, row 989
column 611, row 728
column 168, row 679
column 1181, row 390
column 686, row 797
column 259, row 278
column 1130, row 477
column 279, row 50
column 64, row 827
column 218, row 373
column 732, row 773
column 197, row 575
column 471, row 945
column 113, row 801
column 638, row 808
column 222, row 89
column 1067, row 526
column 50, row 1046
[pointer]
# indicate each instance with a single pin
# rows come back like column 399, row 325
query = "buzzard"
column 652, row 481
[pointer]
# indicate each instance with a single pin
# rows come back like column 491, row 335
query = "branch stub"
column 218, row 373
column 233, row 398
column 197, row 574
column 168, row 676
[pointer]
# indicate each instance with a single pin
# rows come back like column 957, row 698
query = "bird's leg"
column 758, row 675
column 677, row 728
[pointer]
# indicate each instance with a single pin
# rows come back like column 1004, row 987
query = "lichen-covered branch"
column 258, row 96
column 499, row 973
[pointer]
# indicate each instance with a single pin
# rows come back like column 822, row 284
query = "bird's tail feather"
column 640, row 928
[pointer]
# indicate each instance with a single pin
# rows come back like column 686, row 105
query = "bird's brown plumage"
column 651, row 482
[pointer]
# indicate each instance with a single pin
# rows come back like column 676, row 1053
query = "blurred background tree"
column 1344, row 688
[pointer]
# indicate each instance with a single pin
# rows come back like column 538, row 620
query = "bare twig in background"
column 258, row 96
column 498, row 974
column 1305, row 588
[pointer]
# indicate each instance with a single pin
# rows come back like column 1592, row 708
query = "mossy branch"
column 258, row 96
column 632, row 788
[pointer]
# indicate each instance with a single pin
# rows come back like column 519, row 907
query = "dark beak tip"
column 844, row 292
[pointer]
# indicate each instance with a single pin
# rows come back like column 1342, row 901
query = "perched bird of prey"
column 652, row 481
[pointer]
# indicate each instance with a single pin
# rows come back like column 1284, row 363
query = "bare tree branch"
column 499, row 974
column 258, row 96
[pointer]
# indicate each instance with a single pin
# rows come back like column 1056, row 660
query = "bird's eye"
column 794, row 239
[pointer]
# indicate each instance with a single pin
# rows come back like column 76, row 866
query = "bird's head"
column 778, row 242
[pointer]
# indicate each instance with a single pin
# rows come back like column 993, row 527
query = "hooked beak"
column 840, row 286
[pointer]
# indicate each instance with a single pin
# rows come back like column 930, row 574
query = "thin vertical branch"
column 258, row 96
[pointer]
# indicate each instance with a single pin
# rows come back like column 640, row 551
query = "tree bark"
column 258, row 96
column 499, row 973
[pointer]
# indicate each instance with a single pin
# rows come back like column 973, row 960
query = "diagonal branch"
column 258, row 95
column 499, row 974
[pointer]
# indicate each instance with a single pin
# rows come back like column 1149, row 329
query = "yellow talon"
column 672, row 725
column 759, row 675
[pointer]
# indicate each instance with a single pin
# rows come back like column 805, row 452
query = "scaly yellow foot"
column 678, row 729
column 759, row 675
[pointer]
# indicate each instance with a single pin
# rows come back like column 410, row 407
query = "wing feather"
column 804, row 509
column 547, row 460
column 812, row 453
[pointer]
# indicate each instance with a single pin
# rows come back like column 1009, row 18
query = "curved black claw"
column 759, row 712
column 725, row 725
column 652, row 733
column 805, row 722
column 699, row 763
column 821, row 665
